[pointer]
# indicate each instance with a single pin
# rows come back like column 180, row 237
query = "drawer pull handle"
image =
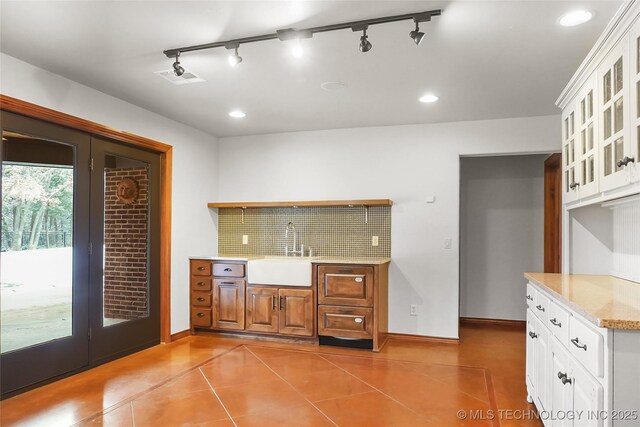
column 539, row 307
column 555, row 322
column 533, row 334
column 529, row 297
column 200, row 283
column 227, row 283
column 200, row 299
column 200, row 314
column 227, row 269
column 201, row 268
column 273, row 302
column 576, row 342
column 358, row 320
column 359, row 279
column 563, row 377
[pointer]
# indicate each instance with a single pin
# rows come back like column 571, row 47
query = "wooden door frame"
column 28, row 109
column 553, row 213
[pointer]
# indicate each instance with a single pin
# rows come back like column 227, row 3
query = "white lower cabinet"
column 587, row 397
column 560, row 389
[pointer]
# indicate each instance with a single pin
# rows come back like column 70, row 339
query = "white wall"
column 403, row 163
column 501, row 233
column 194, row 160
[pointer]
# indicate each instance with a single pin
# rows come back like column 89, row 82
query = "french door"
column 79, row 261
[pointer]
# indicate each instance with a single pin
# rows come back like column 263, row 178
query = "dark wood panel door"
column 262, row 309
column 296, row 312
column 228, row 297
column 345, row 285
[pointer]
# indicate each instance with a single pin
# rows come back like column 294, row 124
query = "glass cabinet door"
column 613, row 84
column 570, row 174
column 586, row 133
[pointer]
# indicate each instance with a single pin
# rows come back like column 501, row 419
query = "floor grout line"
column 133, row 418
column 217, row 397
column 291, row 385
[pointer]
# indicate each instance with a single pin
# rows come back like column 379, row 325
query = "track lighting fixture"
column 416, row 34
column 234, row 58
column 365, row 45
column 296, row 35
column 177, row 68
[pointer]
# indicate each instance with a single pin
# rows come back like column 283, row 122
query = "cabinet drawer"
column 201, row 317
column 345, row 322
column 531, row 296
column 200, row 283
column 586, row 345
column 201, row 299
column 345, row 285
column 541, row 307
column 558, row 323
column 228, row 270
column 200, row 267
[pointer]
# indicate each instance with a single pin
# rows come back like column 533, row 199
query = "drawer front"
column 558, row 323
column 345, row 285
column 541, row 307
column 200, row 267
column 200, row 283
column 586, row 345
column 201, row 299
column 531, row 296
column 228, row 270
column 201, row 317
column 345, row 322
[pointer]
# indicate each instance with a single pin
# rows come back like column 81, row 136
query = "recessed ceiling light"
column 237, row 114
column 575, row 17
column 429, row 98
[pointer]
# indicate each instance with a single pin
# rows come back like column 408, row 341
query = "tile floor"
column 215, row 381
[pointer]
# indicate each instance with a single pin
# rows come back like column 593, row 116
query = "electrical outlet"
column 245, row 239
column 374, row 240
column 413, row 310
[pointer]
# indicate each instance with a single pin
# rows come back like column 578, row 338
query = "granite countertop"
column 606, row 301
column 316, row 260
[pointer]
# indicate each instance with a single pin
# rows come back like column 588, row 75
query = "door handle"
column 575, row 341
column 281, row 301
column 201, row 268
column 200, row 299
column 563, row 377
column 529, row 297
column 540, row 307
column 273, row 302
column 200, row 314
column 200, row 283
column 227, row 269
column 625, row 161
column 533, row 334
column 555, row 322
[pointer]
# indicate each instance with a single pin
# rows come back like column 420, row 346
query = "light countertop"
column 315, row 260
column 607, row 301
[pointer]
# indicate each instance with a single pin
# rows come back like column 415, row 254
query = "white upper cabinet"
column 587, row 146
column 634, row 145
column 570, row 174
column 614, row 129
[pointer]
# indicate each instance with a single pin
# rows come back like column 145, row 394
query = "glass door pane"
column 37, row 241
column 126, row 237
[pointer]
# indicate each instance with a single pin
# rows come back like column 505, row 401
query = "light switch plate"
column 245, row 239
column 374, row 240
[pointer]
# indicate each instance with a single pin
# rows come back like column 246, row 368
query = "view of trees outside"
column 36, row 261
column 37, row 203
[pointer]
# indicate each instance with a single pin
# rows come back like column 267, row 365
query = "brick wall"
column 125, row 270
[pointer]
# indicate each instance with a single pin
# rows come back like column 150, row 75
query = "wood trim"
column 520, row 324
column 553, row 214
column 303, row 203
column 179, row 335
column 422, row 338
column 28, row 109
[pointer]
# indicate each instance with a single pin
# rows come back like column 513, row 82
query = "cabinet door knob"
column 201, row 268
column 563, row 377
column 200, row 299
column 575, row 341
column 555, row 322
column 625, row 161
column 574, row 185
column 200, row 283
column 200, row 314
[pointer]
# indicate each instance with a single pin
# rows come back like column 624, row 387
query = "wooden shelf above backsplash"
column 305, row 203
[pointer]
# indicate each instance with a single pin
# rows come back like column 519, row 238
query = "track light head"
column 416, row 35
column 177, row 68
column 234, row 58
column 365, row 45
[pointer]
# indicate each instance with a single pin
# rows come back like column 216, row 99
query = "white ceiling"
column 485, row 59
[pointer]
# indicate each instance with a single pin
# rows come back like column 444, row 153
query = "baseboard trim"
column 179, row 335
column 422, row 338
column 521, row 324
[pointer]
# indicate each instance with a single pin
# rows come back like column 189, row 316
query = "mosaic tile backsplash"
column 336, row 231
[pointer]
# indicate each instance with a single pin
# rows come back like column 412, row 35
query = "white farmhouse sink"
column 280, row 271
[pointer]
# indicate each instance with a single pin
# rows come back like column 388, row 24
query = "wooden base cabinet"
column 217, row 295
column 353, row 301
column 283, row 311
